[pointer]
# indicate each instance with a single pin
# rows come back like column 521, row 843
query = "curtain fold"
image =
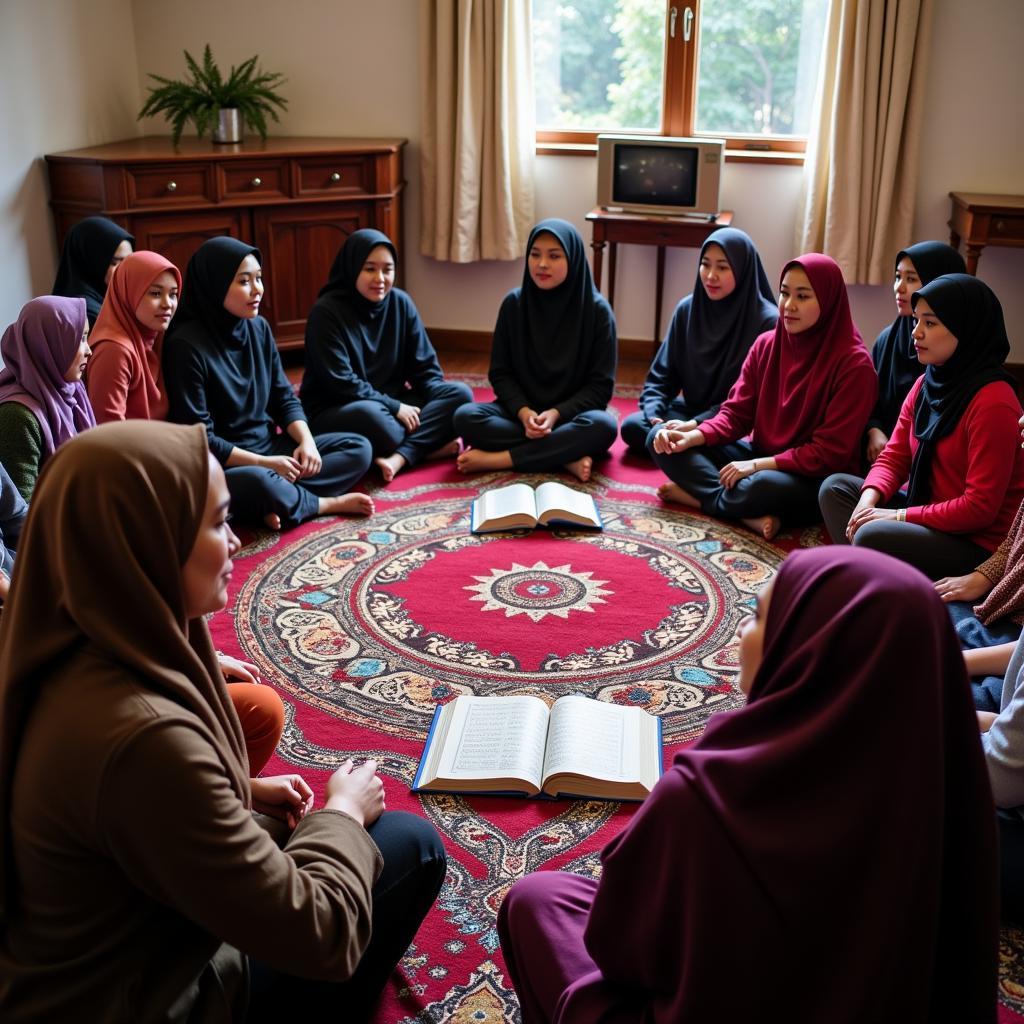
column 477, row 113
column 860, row 176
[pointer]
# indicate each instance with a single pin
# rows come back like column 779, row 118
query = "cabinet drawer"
column 253, row 181
column 169, row 184
column 335, row 176
column 1007, row 227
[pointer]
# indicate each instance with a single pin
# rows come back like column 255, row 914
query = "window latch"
column 687, row 24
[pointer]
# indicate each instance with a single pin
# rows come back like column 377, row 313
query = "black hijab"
column 717, row 335
column 893, row 354
column 208, row 276
column 970, row 311
column 351, row 308
column 555, row 326
column 88, row 249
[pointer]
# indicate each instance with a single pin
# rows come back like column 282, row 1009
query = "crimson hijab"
column 37, row 350
column 830, row 847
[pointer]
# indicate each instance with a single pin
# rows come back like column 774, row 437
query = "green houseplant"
column 206, row 92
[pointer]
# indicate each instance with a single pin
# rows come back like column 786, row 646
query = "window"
column 743, row 69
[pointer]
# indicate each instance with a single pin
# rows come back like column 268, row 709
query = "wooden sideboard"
column 982, row 219
column 295, row 199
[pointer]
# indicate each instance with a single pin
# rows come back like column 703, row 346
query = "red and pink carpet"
column 364, row 625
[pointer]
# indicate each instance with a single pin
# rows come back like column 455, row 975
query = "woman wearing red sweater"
column 795, row 415
column 954, row 444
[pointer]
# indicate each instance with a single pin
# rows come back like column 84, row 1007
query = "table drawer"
column 254, row 181
column 335, row 176
column 169, row 184
column 1006, row 228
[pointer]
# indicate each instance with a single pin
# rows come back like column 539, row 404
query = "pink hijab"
column 116, row 325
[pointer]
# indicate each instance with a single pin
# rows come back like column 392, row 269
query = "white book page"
column 552, row 494
column 589, row 737
column 505, row 501
column 496, row 737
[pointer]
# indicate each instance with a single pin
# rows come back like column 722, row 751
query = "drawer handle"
column 1000, row 225
column 172, row 186
column 335, row 177
column 256, row 182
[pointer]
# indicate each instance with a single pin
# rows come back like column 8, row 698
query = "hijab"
column 117, row 325
column 115, row 591
column 894, row 355
column 555, row 325
column 89, row 247
column 717, row 334
column 970, row 311
column 374, row 325
column 36, row 351
column 799, row 367
column 210, row 271
column 834, row 840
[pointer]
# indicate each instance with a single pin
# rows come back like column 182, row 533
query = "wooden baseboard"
column 448, row 339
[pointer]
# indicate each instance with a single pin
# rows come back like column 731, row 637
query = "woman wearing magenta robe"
column 810, row 854
column 795, row 415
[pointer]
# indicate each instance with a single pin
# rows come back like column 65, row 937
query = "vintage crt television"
column 659, row 174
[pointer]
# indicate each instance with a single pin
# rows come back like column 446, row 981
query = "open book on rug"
column 516, row 746
column 519, row 507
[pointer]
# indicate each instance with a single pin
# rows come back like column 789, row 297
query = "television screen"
column 655, row 174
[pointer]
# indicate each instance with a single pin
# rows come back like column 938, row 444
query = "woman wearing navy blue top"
column 222, row 369
column 552, row 367
column 370, row 367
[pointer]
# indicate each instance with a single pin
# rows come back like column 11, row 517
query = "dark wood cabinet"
column 295, row 199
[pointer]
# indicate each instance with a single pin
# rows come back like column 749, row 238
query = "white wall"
column 353, row 69
column 68, row 78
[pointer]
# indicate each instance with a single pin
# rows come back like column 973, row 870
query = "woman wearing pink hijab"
column 827, row 852
column 43, row 402
column 125, row 380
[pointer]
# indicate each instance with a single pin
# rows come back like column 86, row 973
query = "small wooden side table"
column 647, row 229
column 983, row 220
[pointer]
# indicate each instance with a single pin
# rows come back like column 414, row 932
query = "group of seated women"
column 149, row 871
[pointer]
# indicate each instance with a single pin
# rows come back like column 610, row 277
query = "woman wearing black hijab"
column 709, row 337
column 92, row 249
column 954, row 445
column 552, row 367
column 222, row 369
column 893, row 353
column 370, row 367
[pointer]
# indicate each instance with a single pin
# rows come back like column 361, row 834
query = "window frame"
column 679, row 95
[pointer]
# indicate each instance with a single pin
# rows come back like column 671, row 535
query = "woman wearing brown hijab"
column 135, row 883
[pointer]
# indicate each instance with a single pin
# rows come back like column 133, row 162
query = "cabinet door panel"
column 299, row 244
column 177, row 236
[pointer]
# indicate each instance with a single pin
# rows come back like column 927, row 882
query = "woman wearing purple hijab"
column 43, row 402
column 827, row 851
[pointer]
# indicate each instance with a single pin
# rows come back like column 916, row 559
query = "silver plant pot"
column 229, row 125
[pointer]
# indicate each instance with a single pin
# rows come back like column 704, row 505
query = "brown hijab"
column 112, row 588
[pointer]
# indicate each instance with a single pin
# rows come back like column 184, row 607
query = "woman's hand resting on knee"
column 963, row 588
column 357, row 792
column 285, row 797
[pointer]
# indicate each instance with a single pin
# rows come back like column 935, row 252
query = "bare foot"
column 452, row 448
column 390, row 466
column 354, row 504
column 473, row 460
column 766, row 526
column 580, row 468
column 272, row 520
column 674, row 493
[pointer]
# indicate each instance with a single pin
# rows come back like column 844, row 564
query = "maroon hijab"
column 797, row 380
column 830, row 848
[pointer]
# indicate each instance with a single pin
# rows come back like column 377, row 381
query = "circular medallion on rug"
column 377, row 623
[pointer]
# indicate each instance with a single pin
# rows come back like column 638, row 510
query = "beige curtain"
column 478, row 129
column 860, row 176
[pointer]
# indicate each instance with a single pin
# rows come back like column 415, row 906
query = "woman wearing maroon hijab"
column 810, row 854
column 795, row 415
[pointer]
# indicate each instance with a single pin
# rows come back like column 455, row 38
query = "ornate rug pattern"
column 364, row 625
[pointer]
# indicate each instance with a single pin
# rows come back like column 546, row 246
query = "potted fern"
column 215, row 102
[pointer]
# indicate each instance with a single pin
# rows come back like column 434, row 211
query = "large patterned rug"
column 364, row 625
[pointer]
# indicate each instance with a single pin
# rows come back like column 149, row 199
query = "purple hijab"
column 37, row 350
column 830, row 848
